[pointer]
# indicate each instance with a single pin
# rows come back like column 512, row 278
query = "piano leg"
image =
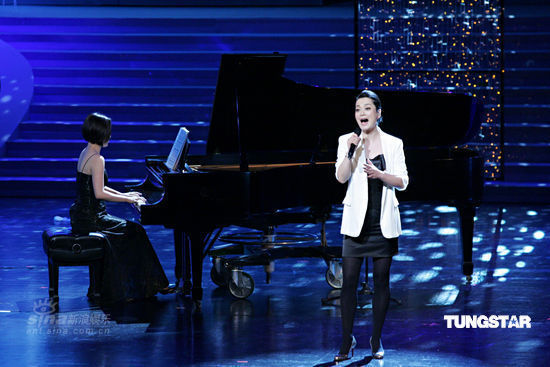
column 197, row 244
column 183, row 264
column 324, row 234
column 467, row 213
column 178, row 246
column 187, row 257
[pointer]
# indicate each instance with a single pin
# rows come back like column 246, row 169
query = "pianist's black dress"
column 370, row 241
column 131, row 268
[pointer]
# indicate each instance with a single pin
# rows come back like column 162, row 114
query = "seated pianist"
column 131, row 269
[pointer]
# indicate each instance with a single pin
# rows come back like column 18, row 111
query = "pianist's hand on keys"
column 139, row 200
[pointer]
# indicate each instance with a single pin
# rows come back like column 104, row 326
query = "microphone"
column 352, row 147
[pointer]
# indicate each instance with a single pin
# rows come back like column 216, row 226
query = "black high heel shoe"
column 344, row 357
column 379, row 354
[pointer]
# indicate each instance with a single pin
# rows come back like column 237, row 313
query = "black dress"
column 131, row 268
column 370, row 241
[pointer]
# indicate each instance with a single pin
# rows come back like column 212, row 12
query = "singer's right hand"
column 353, row 139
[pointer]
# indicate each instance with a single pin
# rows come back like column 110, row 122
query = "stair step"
column 121, row 130
column 527, row 152
column 66, row 167
column 67, row 148
column 61, row 187
column 75, row 94
column 527, row 40
column 526, row 113
column 516, row 192
column 527, row 58
column 178, row 77
column 526, row 77
column 266, row 42
column 178, row 59
column 527, row 95
column 331, row 78
column 266, row 24
column 525, row 24
column 527, row 172
column 142, row 77
column 121, row 112
column 526, row 132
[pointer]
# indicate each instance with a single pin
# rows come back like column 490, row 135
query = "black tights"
column 348, row 296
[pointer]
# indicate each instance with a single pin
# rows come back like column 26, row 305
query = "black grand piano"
column 272, row 145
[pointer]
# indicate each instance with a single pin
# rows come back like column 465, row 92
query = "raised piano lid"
column 428, row 119
column 280, row 120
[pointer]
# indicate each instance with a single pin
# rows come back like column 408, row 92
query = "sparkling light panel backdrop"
column 444, row 45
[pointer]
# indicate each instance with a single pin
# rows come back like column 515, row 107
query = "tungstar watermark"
column 488, row 322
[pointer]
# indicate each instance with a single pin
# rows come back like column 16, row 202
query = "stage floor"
column 285, row 323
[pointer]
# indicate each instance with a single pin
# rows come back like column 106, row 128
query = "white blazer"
column 356, row 200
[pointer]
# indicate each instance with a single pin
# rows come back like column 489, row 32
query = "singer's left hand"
column 371, row 170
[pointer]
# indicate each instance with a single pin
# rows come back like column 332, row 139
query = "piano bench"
column 65, row 248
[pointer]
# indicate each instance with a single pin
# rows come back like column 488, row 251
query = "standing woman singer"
column 370, row 222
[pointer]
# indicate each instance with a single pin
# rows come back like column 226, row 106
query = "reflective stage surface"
column 285, row 323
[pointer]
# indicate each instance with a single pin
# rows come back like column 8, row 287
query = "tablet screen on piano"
column 179, row 149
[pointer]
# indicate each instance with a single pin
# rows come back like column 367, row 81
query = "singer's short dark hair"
column 370, row 94
column 97, row 129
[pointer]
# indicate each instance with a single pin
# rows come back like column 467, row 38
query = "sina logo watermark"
column 45, row 306
column 45, row 320
column 43, row 317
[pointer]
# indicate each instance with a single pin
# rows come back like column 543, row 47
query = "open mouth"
column 364, row 121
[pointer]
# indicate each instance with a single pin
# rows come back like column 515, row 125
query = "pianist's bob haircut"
column 375, row 99
column 97, row 129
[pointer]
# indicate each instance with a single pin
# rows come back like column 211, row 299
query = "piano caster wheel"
column 334, row 275
column 241, row 284
column 219, row 272
column 217, row 277
column 332, row 280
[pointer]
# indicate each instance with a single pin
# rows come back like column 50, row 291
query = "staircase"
column 156, row 71
column 150, row 75
column 526, row 104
